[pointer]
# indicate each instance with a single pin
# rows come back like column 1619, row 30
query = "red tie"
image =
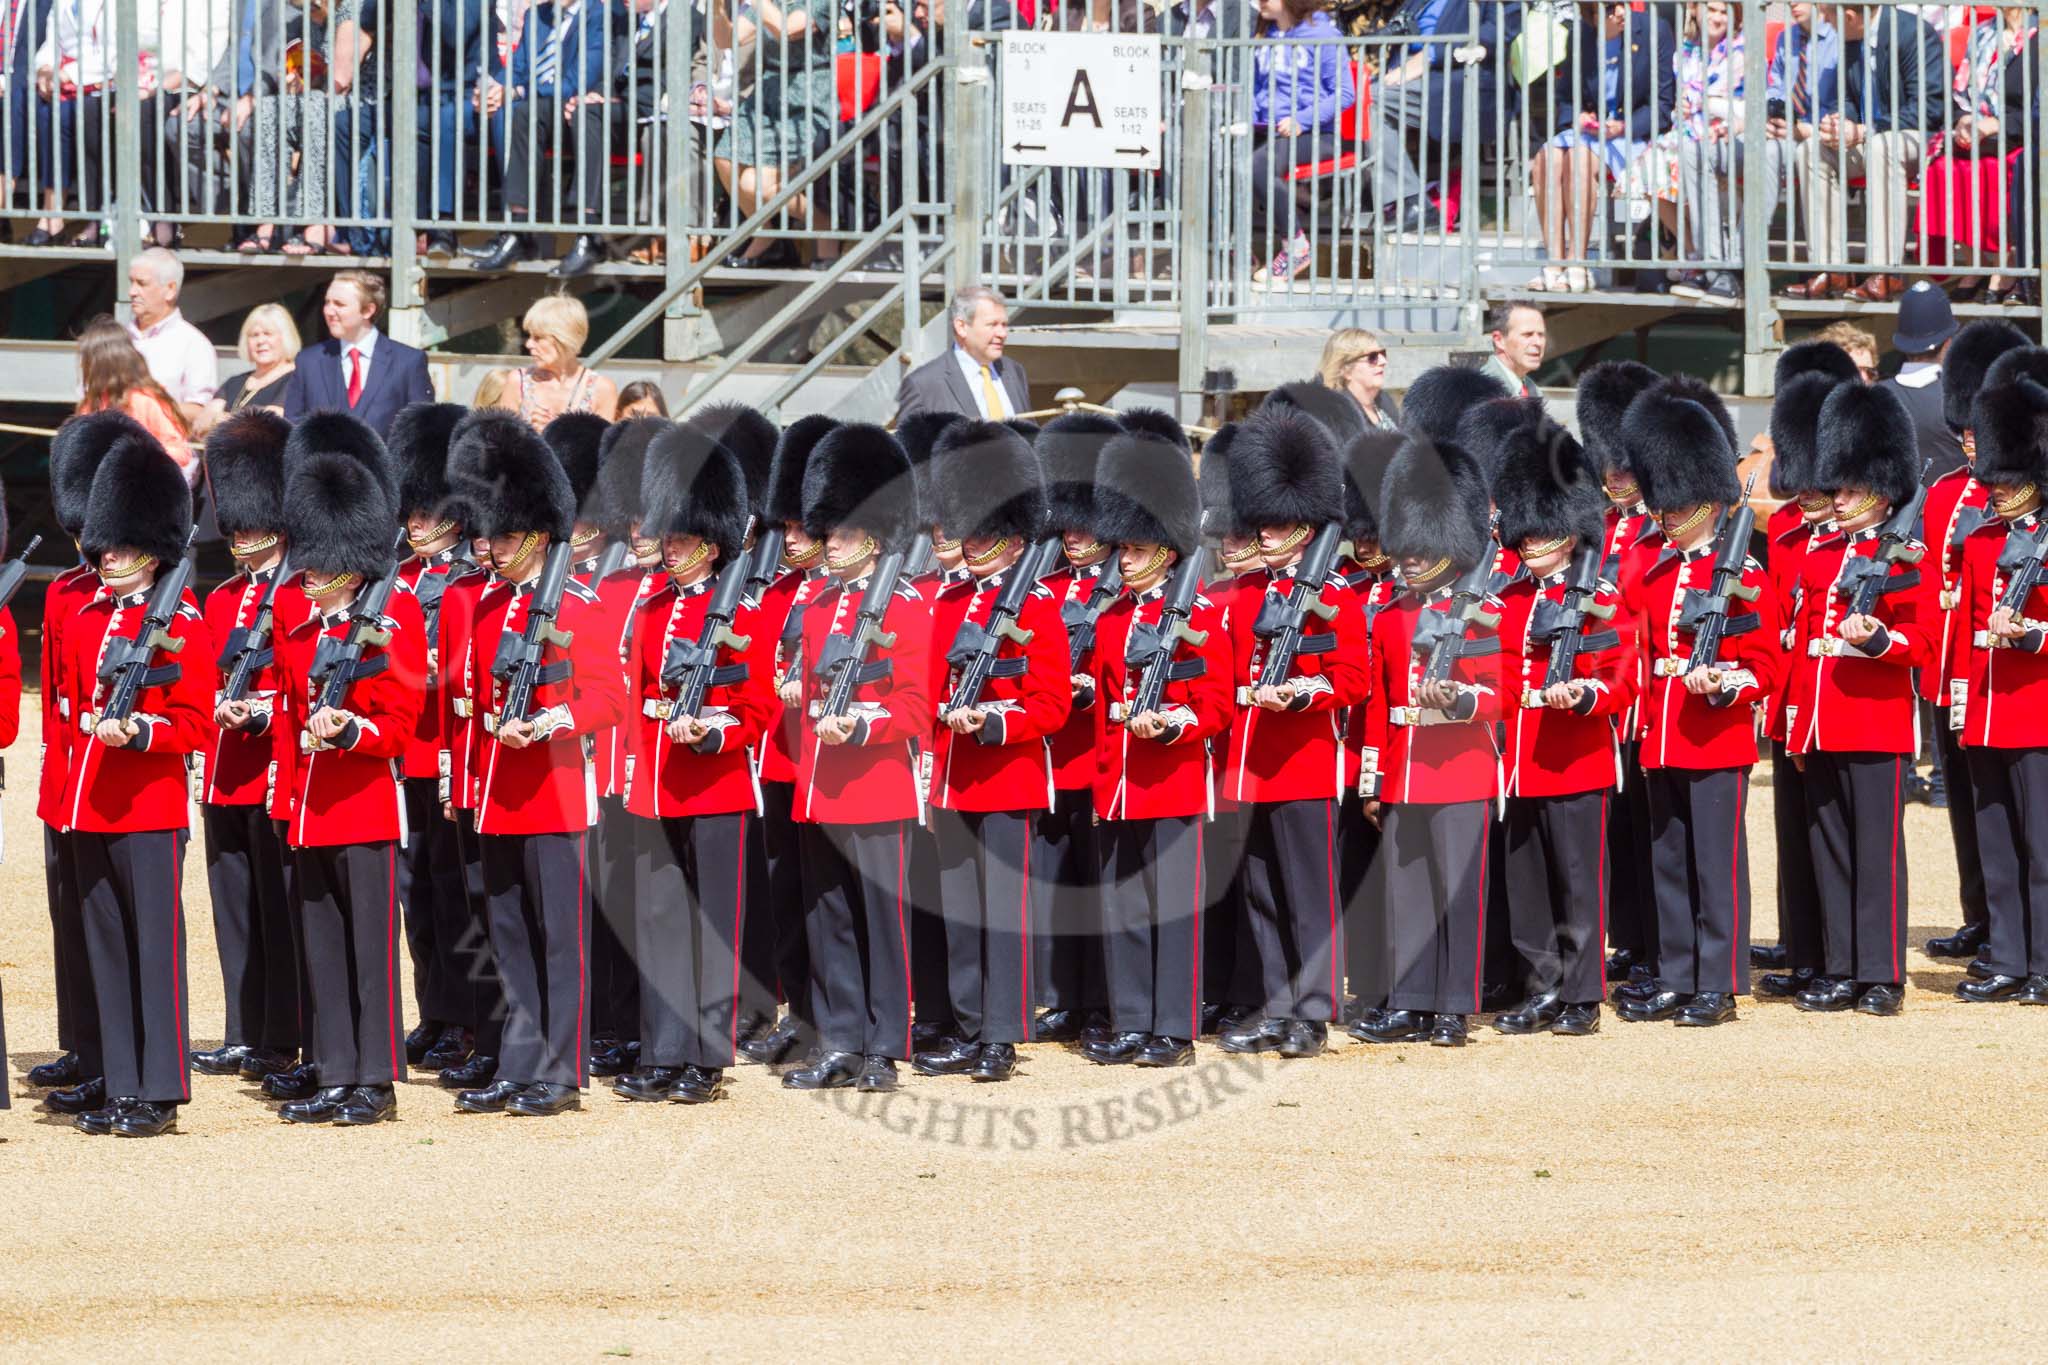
column 355, row 375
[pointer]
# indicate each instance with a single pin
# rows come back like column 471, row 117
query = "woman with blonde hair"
column 270, row 343
column 558, row 381
column 1354, row 363
column 113, row 374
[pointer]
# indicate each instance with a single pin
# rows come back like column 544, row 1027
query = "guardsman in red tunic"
column 1699, row 727
column 1287, row 754
column 1429, row 769
column 857, row 791
column 693, row 768
column 245, row 852
column 124, row 798
column 1154, row 770
column 10, row 727
column 1807, row 373
column 75, row 454
column 1563, row 752
column 1630, row 544
column 1856, row 727
column 1956, row 506
column 992, row 775
column 348, row 722
column 535, row 796
column 2000, row 640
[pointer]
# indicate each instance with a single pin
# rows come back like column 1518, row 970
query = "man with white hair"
column 178, row 354
column 973, row 378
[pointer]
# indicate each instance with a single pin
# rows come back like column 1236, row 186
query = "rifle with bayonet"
column 1869, row 577
column 845, row 661
column 1707, row 611
column 1440, row 635
column 129, row 662
column 691, row 667
column 249, row 649
column 976, row 648
column 1565, row 625
column 338, row 662
column 1081, row 617
column 1151, row 647
column 518, row 664
column 1284, row 620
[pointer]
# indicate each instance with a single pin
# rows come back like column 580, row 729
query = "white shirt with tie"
column 364, row 346
column 971, row 368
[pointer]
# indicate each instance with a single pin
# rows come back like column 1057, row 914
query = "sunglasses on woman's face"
column 1374, row 357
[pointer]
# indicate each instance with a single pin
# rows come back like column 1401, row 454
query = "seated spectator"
column 2022, row 129
column 558, row 381
column 642, row 398
column 270, row 344
column 294, row 174
column 1854, row 100
column 1962, row 190
column 112, row 374
column 178, row 354
column 1706, row 175
column 458, row 41
column 1354, row 363
column 1423, row 92
column 1614, row 115
column 25, row 23
column 783, row 120
column 1301, row 82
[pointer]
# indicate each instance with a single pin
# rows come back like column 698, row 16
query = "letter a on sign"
column 1081, row 99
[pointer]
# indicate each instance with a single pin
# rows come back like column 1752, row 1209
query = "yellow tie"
column 990, row 398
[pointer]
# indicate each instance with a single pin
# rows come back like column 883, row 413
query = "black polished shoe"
column 143, row 1119
column 1995, row 987
column 1365, row 1016
column 877, row 1076
column 1827, row 995
column 1160, row 1050
column 586, row 255
column 221, row 1061
column 489, row 1099
column 544, row 1100
column 608, row 1057
column 422, row 1036
column 1620, row 962
column 1707, row 1009
column 49, row 1075
column 1115, row 1049
column 649, row 1085
column 1256, row 1035
column 1769, row 957
column 368, row 1104
column 1577, row 1021
column 753, row 1025
column 776, row 1045
column 997, row 1062
column 1964, row 942
column 699, row 1085
column 2034, row 992
column 1061, row 1026
column 780, row 255
column 442, row 243
column 1534, row 1015
column 926, row 1036
column 952, row 1057
column 1448, row 1030
column 1655, row 1008
column 1095, row 1028
column 264, row 1062
column 1978, row 969
column 292, row 1083
column 317, row 1108
column 826, row 1071
column 452, row 1048
column 96, row 1122
column 1212, row 1019
column 503, row 251
column 1785, row 985
column 1885, row 999
column 479, row 1071
column 1305, row 1038
column 82, row 1098
column 1640, row 986
column 1393, row 1026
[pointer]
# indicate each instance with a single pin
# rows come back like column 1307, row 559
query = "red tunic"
column 61, row 601
column 1073, row 744
column 1560, row 753
column 781, row 614
column 1851, row 700
column 127, row 791
column 1681, row 730
column 455, row 688
column 674, row 780
column 1955, row 506
column 1173, row 775
column 1375, row 591
column 873, row 777
column 423, row 751
column 1417, row 754
column 1013, row 770
column 236, row 765
column 1788, row 536
column 2003, row 690
column 1295, row 755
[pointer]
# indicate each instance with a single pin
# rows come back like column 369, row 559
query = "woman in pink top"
column 113, row 375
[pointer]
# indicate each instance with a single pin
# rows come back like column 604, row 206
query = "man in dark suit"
column 1412, row 98
column 357, row 370
column 972, row 378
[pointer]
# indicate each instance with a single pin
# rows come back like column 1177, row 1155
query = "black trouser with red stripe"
column 1962, row 818
column 2011, row 787
column 484, row 990
column 614, row 949
column 1857, row 807
column 776, row 896
column 130, row 890
column 859, row 929
column 1365, row 906
column 78, row 1016
column 348, row 895
column 429, row 889
column 1290, row 888
column 1230, row 958
column 252, row 930
column 1699, row 856
column 989, row 909
column 1632, row 899
column 1152, row 874
column 693, row 878
column 1067, row 940
column 927, row 931
column 1556, row 880
column 1433, row 861
column 538, row 906
column 1799, row 895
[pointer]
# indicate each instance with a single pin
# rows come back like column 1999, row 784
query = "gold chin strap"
column 945, row 547
column 1374, row 563
column 1431, row 574
column 526, row 547
column 1706, row 509
column 1547, row 547
column 253, row 548
column 796, row 559
column 1245, row 556
column 1152, row 565
column 676, row 571
column 128, row 570
column 861, row 554
column 1294, row 538
column 645, row 549
column 1624, row 497
column 1087, row 551
column 438, row 530
column 577, row 542
column 325, row 587
column 1870, row 500
column 993, row 553
column 2014, row 502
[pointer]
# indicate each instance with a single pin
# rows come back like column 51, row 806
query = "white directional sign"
column 1081, row 99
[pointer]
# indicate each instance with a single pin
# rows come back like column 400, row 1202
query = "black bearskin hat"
column 916, row 435
column 1158, row 421
column 1023, row 427
column 1867, row 440
column 2010, row 418
column 245, row 470
column 858, row 476
column 577, row 438
column 1337, row 411
column 1795, row 432
column 1603, row 395
column 140, row 499
column 1434, row 505
column 75, row 454
column 339, row 518
column 1967, row 361
column 1284, row 470
column 985, row 482
column 420, row 436
column 1365, row 475
column 1440, row 396
column 786, row 475
column 1069, row 449
column 1814, row 357
column 1545, row 486
column 338, row 433
column 1681, row 444
column 1212, row 481
column 751, row 438
column 1145, row 494
column 1485, row 428
column 508, row 478
column 694, row 486
column 621, row 466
